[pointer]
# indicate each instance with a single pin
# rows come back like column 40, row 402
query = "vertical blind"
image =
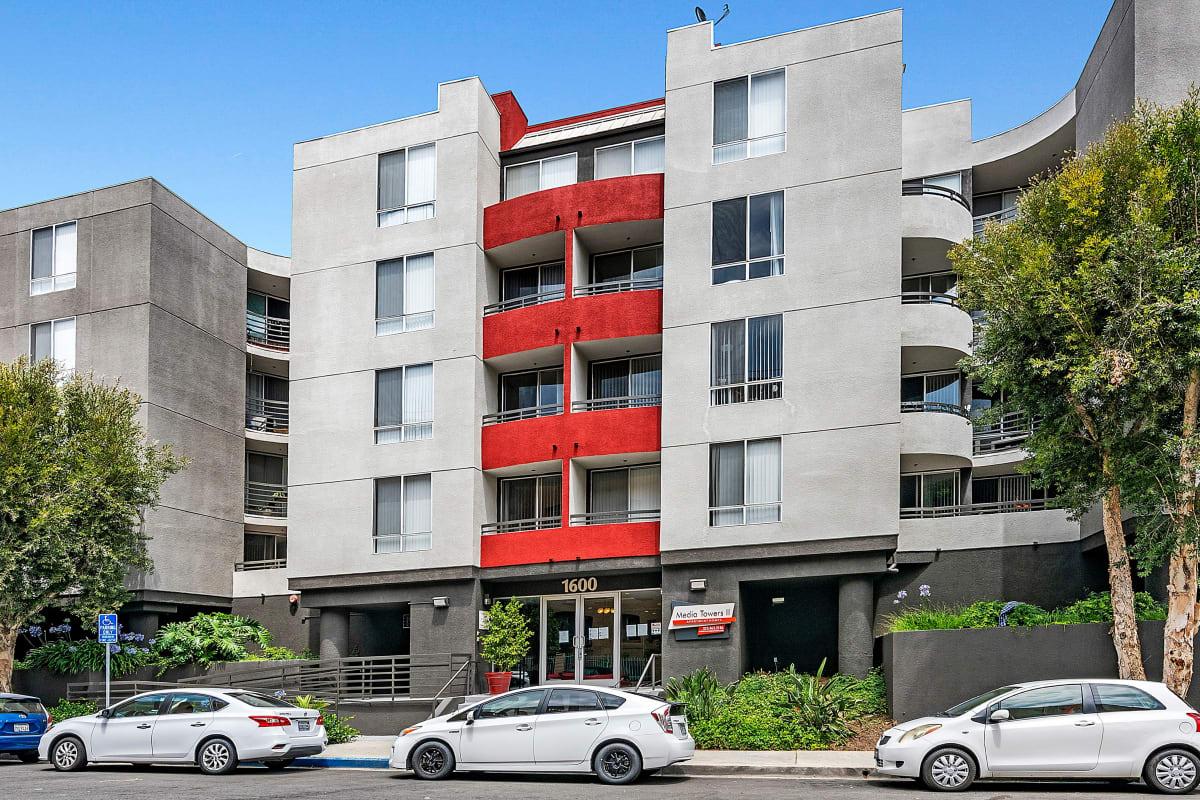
column 521, row 179
column 530, row 498
column 612, row 162
column 404, row 294
column 744, row 481
column 649, row 156
column 41, row 342
column 627, row 377
column 391, row 180
column 728, row 352
column 631, row 489
column 726, row 481
column 764, row 348
column 43, row 253
column 753, row 109
column 404, row 403
column 632, row 158
column 763, row 481
column 730, row 123
column 766, row 225
column 766, row 113
column 559, row 171
column 422, row 174
column 403, row 514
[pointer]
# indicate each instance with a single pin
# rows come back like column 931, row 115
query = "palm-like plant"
column 206, row 639
column 701, row 691
column 826, row 706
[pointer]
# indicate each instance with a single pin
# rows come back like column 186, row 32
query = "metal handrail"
column 268, row 416
column 547, row 296
column 467, row 665
column 523, row 413
column 748, row 391
column 608, row 403
column 940, row 191
column 250, row 566
column 272, row 333
column 650, row 666
column 616, row 517
column 980, row 222
column 932, row 298
column 515, row 525
column 929, row 407
column 974, row 509
column 612, row 287
column 1007, row 432
column 266, row 499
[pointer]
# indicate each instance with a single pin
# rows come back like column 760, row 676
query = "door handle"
column 144, row 725
column 591, row 721
column 524, row 727
column 1084, row 723
column 199, row 724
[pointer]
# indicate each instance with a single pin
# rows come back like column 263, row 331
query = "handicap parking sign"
column 107, row 626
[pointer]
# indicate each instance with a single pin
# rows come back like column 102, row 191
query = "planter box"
column 929, row 671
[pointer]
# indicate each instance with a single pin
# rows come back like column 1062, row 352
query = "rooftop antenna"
column 702, row 17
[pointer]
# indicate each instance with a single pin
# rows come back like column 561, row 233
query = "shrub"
column 1096, row 607
column 337, row 729
column 871, row 692
column 506, row 640
column 66, row 655
column 700, row 690
column 66, row 710
column 206, row 639
column 823, row 706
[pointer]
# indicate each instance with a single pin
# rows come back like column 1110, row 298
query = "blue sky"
column 208, row 97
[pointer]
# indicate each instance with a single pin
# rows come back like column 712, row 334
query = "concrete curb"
column 342, row 763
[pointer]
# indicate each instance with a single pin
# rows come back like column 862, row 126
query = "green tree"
column 208, row 638
column 506, row 640
column 1090, row 297
column 76, row 479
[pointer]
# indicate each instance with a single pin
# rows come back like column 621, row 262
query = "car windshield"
column 18, row 705
column 260, row 700
column 963, row 708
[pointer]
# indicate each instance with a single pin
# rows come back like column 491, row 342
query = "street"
column 180, row 783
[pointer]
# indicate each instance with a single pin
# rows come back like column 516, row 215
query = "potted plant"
column 504, row 643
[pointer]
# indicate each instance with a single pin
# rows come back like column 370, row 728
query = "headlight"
column 918, row 732
column 407, row 731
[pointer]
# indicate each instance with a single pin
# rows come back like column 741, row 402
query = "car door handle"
column 1084, row 723
column 144, row 725
column 524, row 727
column 199, row 724
column 592, row 721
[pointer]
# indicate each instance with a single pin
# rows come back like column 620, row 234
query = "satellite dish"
column 700, row 15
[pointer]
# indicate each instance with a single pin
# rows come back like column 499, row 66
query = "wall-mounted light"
column 698, row 584
column 441, row 602
column 777, row 601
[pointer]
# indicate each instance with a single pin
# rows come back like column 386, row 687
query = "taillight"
column 320, row 719
column 663, row 717
column 272, row 722
column 1196, row 719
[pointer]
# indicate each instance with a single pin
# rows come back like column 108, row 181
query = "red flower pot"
column 498, row 682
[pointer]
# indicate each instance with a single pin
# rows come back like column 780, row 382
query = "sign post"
column 107, row 629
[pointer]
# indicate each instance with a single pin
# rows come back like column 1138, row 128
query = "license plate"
column 303, row 725
column 20, row 727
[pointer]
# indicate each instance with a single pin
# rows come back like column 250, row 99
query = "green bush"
column 700, row 690
column 66, row 710
column 206, row 639
column 67, row 657
column 337, row 729
column 506, row 640
column 824, row 707
column 870, row 692
column 1096, row 607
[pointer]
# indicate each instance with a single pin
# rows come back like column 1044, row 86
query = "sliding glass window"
column 624, row 383
column 928, row 490
column 403, row 514
column 642, row 157
column 747, row 360
column 404, row 294
column 749, row 116
column 524, row 395
column 529, row 286
column 747, row 238
column 404, row 404
column 624, row 494
column 744, row 482
column 938, row 392
column 407, row 183
column 534, row 176
column 640, row 268
column 532, row 503
column 52, row 258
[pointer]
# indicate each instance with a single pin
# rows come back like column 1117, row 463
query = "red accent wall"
column 603, row 316
column 513, row 121
column 572, row 435
column 608, row 112
column 568, row 544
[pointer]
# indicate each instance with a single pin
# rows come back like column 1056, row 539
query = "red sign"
column 707, row 629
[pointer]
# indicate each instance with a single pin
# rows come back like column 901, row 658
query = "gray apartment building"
column 681, row 376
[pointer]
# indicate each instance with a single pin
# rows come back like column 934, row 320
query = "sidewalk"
column 373, row 752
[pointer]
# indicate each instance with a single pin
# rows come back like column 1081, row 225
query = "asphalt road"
column 178, row 783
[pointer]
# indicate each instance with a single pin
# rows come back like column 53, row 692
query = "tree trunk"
column 1183, row 616
column 1120, row 583
column 8, row 650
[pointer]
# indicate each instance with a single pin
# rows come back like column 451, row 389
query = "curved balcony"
column 572, row 435
column 935, row 320
column 578, row 541
column 611, row 315
column 935, row 212
column 982, row 525
column 934, row 436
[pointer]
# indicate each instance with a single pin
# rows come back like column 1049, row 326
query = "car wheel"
column 217, row 757
column 28, row 756
column 277, row 765
column 948, row 770
column 68, row 755
column 1173, row 771
column 617, row 763
column 432, row 761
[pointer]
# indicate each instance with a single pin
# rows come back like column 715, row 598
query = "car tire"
column 217, row 757
column 283, row 763
column 949, row 770
column 28, row 756
column 432, row 761
column 67, row 754
column 1175, row 771
column 617, row 764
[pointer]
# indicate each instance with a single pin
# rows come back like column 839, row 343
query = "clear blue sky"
column 209, row 97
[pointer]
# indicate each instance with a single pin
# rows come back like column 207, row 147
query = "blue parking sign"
column 108, row 628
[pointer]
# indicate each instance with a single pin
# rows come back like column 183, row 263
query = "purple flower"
column 151, row 641
column 145, row 649
column 895, row 602
column 35, row 630
column 130, row 650
column 114, row 648
column 924, row 589
column 902, row 594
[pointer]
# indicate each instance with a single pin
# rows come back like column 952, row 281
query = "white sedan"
column 617, row 735
column 1105, row 729
column 212, row 728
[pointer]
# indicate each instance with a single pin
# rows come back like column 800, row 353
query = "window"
column 52, row 258
column 564, row 701
column 266, row 485
column 528, row 286
column 140, row 707
column 1017, row 490
column 257, row 700
column 941, row 287
column 403, row 514
column 404, row 404
column 268, row 322
column 535, row 176
column 747, row 360
column 407, row 182
column 404, row 294
column 1047, row 701
column 194, row 704
column 266, row 403
column 55, row 339
column 1115, row 697
column 747, row 238
column 524, row 395
column 631, row 158
column 744, row 483
column 951, row 180
column 626, row 383
column 610, row 701
column 523, row 704
column 258, row 547
column 625, row 494
column 939, row 392
column 528, row 504
column 929, row 490
column 749, row 116
column 640, row 268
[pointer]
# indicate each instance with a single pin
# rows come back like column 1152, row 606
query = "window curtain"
column 64, row 344
column 389, row 396
column 765, row 347
column 549, row 496
column 262, row 468
column 422, row 174
column 613, row 162
column 520, row 282
column 389, row 502
column 726, row 481
column 550, row 387
column 522, row 179
column 939, row 489
column 43, row 253
column 518, row 499
column 559, row 171
column 728, row 352
column 610, row 379
column 418, row 506
column 418, row 394
column 650, row 156
column 644, row 488
column 553, row 277
column 609, row 490
column 645, row 376
column 41, row 341
column 389, row 288
column 763, row 481
column 729, row 111
column 766, row 107
column 418, row 288
column 391, row 180
column 766, row 225
column 64, row 249
column 729, row 231
column 952, row 180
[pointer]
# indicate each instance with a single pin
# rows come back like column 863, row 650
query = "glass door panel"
column 560, row 639
column 598, row 629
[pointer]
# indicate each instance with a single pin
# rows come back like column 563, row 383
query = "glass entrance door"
column 559, row 640
column 579, row 643
column 598, row 636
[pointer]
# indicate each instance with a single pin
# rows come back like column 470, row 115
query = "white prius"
column 1086, row 729
column 562, row 728
column 211, row 728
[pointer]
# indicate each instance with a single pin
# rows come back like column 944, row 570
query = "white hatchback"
column 212, row 728
column 1086, row 729
column 561, row 728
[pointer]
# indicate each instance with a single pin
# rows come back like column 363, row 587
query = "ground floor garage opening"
column 792, row 622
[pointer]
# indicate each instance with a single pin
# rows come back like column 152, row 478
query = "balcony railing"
column 611, row 287
column 939, row 191
column 272, row 333
column 1009, row 432
column 523, row 413
column 266, row 416
column 1003, row 215
column 249, row 566
column 974, row 509
column 607, row 403
column 746, row 392
column 266, row 499
column 514, row 525
column 616, row 517
column 934, row 298
column 928, row 407
column 527, row 300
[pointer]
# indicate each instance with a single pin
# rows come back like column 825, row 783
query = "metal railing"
column 933, row 298
column 250, row 566
column 1010, row 431
column 652, row 668
column 120, row 690
column 608, row 403
column 980, row 222
column 514, row 525
column 929, row 407
column 974, row 509
column 939, row 191
column 616, row 517
column 267, row 416
column 266, row 499
column 612, row 287
column 527, row 300
column 272, row 333
column 748, row 392
column 523, row 413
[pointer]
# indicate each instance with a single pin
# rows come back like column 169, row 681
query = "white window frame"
column 56, row 281
column 404, row 538
column 782, row 135
column 539, row 162
column 631, row 145
column 629, row 514
column 721, row 395
column 404, row 323
column 53, row 323
column 778, row 504
column 408, row 431
column 747, row 261
column 399, row 215
column 921, row 488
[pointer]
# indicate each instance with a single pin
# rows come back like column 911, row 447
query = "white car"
column 212, row 728
column 561, row 728
column 1093, row 729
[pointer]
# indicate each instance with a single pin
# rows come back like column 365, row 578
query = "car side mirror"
column 1000, row 715
column 105, row 713
column 471, row 717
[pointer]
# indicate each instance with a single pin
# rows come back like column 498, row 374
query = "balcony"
column 266, row 416
column 516, row 414
column 524, row 301
column 936, row 323
column 591, row 539
column 929, row 407
column 616, row 517
column 974, row 509
column 934, row 212
column 610, row 403
column 266, row 499
column 979, row 223
column 613, row 287
column 934, row 435
column 1008, row 433
column 251, row 566
column 518, row 525
column 269, row 333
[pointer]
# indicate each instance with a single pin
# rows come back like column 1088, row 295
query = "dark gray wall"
column 287, row 628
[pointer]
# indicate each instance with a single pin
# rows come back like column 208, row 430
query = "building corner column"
column 335, row 632
column 856, row 642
